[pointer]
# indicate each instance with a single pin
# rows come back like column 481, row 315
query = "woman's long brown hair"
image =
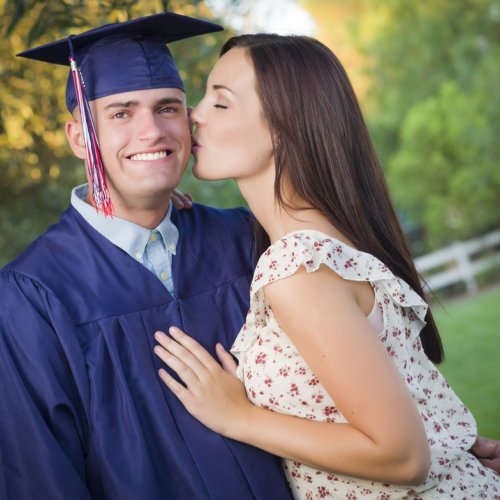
column 322, row 146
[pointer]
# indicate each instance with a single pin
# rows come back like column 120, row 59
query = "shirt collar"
column 128, row 236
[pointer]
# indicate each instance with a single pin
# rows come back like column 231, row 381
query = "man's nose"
column 150, row 127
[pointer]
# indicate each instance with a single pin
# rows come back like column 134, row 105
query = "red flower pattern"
column 277, row 378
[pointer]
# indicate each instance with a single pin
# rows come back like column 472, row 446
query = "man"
column 83, row 413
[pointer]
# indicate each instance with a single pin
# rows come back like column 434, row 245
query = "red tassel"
column 99, row 186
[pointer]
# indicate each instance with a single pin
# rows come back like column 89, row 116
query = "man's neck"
column 148, row 217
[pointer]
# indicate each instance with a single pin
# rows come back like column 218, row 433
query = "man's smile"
column 150, row 156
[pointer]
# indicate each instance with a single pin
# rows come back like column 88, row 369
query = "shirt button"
column 171, row 248
column 163, row 276
column 138, row 255
column 153, row 237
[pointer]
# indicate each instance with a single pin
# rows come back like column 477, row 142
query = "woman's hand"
column 487, row 451
column 181, row 200
column 211, row 393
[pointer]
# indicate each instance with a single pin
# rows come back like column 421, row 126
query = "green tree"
column 445, row 173
column 37, row 167
column 434, row 69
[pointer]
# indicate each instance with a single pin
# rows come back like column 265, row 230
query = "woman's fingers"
column 178, row 389
column 192, row 363
column 181, row 200
column 179, row 351
column 211, row 393
column 183, row 370
column 193, row 348
column 226, row 360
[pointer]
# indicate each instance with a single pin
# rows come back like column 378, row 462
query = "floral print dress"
column 277, row 378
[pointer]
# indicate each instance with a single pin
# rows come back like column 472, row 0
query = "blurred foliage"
column 435, row 76
column 37, row 167
column 446, row 172
column 344, row 26
column 426, row 72
column 429, row 91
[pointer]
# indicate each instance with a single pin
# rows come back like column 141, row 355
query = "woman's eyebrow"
column 219, row 87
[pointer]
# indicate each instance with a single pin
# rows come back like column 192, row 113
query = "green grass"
column 470, row 330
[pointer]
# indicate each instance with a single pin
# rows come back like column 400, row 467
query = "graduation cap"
column 116, row 58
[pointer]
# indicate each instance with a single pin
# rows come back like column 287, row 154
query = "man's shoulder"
column 224, row 215
column 45, row 247
column 204, row 219
column 59, row 257
column 27, row 271
column 72, row 262
column 220, row 235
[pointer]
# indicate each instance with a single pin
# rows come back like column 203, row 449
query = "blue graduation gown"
column 83, row 413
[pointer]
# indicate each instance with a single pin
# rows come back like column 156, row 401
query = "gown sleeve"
column 43, row 395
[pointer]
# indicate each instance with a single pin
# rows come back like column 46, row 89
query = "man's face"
column 145, row 144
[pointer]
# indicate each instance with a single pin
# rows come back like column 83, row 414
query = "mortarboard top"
column 122, row 57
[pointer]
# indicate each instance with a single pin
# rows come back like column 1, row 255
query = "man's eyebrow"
column 129, row 104
column 119, row 104
column 169, row 100
column 219, row 87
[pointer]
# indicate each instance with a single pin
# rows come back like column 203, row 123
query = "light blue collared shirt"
column 152, row 248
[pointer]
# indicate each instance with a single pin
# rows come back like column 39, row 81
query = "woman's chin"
column 202, row 176
column 205, row 174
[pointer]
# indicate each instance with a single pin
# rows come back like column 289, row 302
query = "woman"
column 338, row 333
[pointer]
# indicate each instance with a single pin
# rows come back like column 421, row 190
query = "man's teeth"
column 149, row 156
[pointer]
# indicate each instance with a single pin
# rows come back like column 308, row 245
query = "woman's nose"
column 194, row 115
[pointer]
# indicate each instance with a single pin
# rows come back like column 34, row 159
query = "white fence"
column 460, row 262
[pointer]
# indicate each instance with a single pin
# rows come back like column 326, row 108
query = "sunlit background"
column 427, row 76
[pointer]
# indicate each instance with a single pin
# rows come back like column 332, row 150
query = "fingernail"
column 159, row 336
column 173, row 331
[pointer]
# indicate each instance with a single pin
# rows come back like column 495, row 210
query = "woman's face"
column 231, row 139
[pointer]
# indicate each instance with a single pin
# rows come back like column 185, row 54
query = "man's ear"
column 74, row 134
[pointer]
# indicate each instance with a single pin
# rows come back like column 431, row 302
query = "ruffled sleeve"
column 311, row 249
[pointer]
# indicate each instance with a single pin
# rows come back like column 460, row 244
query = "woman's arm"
column 384, row 438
